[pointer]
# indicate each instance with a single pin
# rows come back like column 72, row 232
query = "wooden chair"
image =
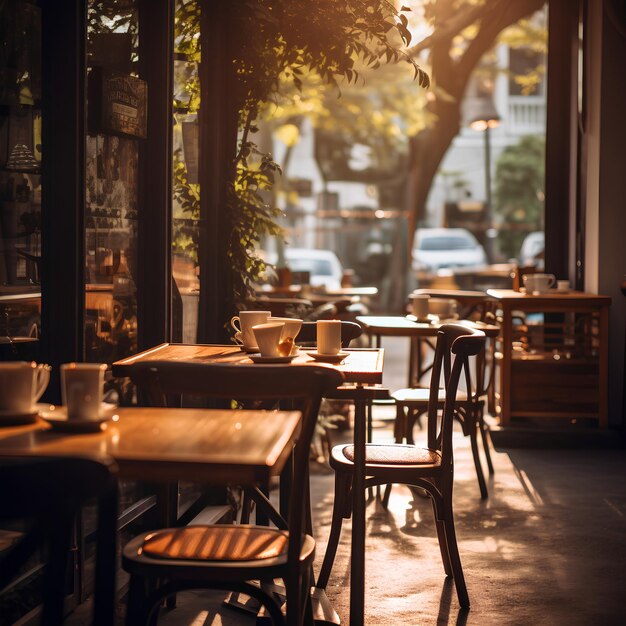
column 518, row 273
column 430, row 468
column 227, row 556
column 349, row 332
column 343, row 396
column 48, row 493
column 412, row 403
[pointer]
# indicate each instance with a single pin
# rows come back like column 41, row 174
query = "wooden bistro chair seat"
column 230, row 557
column 430, row 468
column 412, row 403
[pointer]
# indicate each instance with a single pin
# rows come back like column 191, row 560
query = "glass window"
column 186, row 189
column 446, row 243
column 116, row 119
column 20, row 179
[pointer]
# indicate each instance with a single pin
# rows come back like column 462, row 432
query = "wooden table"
column 163, row 444
column 363, row 366
column 407, row 326
column 557, row 365
column 469, row 302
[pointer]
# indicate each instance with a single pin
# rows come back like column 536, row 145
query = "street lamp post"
column 484, row 124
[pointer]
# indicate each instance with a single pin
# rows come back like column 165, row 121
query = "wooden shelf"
column 554, row 356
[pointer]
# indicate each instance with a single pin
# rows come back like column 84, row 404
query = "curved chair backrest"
column 305, row 383
column 349, row 331
column 50, row 491
column 462, row 342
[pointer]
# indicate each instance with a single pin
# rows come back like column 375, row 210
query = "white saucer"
column 249, row 350
column 421, row 320
column 57, row 418
column 258, row 358
column 11, row 418
column 329, row 358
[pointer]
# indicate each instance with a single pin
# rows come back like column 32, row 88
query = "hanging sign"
column 118, row 103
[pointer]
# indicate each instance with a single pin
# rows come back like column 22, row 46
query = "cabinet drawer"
column 557, row 389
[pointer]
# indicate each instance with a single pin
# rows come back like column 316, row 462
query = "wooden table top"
column 407, row 326
column 362, row 365
column 163, row 444
column 552, row 297
column 474, row 297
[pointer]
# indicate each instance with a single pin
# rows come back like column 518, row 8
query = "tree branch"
column 496, row 9
column 491, row 26
column 451, row 27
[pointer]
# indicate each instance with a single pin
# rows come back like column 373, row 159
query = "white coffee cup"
column 539, row 283
column 562, row 285
column 290, row 331
column 328, row 336
column 445, row 308
column 81, row 389
column 267, row 337
column 419, row 305
column 244, row 323
column 22, row 383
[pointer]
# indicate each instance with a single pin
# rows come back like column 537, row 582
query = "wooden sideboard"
column 554, row 356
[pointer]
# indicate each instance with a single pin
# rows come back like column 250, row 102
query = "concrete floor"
column 547, row 548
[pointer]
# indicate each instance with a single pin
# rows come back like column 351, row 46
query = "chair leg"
column 443, row 544
column 473, row 427
column 136, row 602
column 105, row 576
column 246, row 507
column 484, row 433
column 293, row 592
column 386, row 496
column 59, row 535
column 398, row 425
column 342, row 482
column 455, row 559
column 307, row 606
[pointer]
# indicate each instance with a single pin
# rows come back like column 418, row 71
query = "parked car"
column 532, row 250
column 323, row 266
column 437, row 248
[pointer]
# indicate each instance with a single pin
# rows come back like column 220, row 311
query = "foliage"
column 519, row 192
column 278, row 43
column 187, row 196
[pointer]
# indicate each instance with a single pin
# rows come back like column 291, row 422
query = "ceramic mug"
column 81, row 389
column 419, row 305
column 243, row 324
column 539, row 283
column 328, row 336
column 267, row 337
column 22, row 383
column 445, row 308
column 290, row 332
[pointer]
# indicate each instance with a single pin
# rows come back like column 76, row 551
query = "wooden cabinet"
column 554, row 356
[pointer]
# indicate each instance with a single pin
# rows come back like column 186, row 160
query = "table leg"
column 357, row 562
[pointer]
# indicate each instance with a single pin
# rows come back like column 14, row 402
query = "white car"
column 324, row 267
column 532, row 250
column 437, row 248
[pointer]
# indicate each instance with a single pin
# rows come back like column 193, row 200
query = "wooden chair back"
column 306, row 384
column 460, row 342
column 518, row 275
column 349, row 332
column 49, row 493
